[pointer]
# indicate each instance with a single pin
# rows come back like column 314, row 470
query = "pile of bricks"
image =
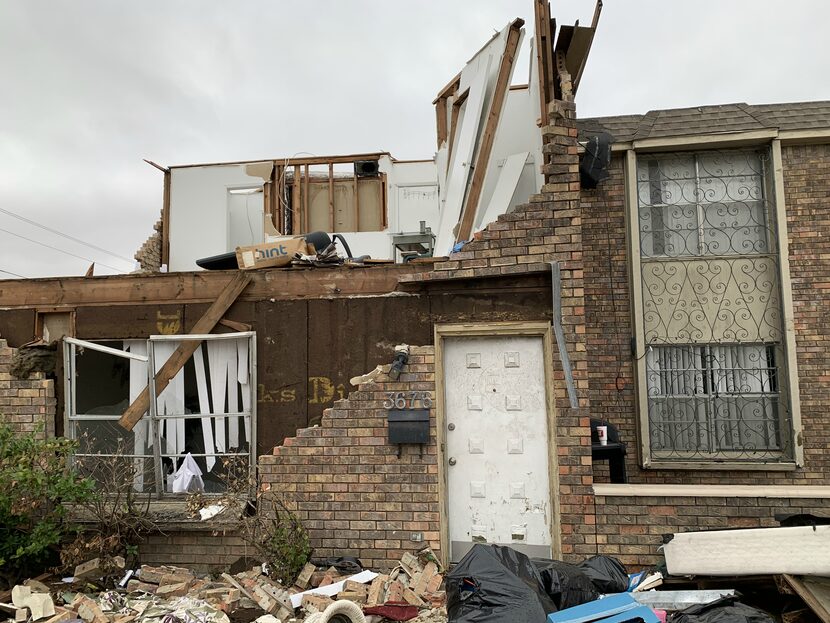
column 416, row 581
column 153, row 594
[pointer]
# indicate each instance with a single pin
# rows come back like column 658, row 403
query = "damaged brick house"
column 679, row 302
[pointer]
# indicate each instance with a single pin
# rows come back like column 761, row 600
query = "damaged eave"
column 203, row 286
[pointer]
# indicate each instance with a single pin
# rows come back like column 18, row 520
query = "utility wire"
column 8, row 272
column 67, row 236
column 43, row 244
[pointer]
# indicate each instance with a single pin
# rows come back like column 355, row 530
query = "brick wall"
column 26, row 404
column 352, row 491
column 549, row 228
column 631, row 528
column 609, row 329
column 203, row 551
column 148, row 255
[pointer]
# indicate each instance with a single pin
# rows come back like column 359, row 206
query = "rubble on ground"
column 168, row 594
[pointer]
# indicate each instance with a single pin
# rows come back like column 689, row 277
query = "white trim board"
column 816, row 492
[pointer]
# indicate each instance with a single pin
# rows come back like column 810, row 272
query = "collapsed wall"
column 353, row 492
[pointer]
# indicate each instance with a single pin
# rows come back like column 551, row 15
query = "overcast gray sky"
column 90, row 87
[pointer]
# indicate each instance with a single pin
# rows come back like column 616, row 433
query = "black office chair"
column 613, row 451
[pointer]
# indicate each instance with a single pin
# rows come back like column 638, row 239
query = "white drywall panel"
column 411, row 193
column 508, row 179
column 246, row 210
column 199, row 210
column 461, row 159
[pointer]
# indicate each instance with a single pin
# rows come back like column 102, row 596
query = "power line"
column 8, row 272
column 43, row 244
column 67, row 236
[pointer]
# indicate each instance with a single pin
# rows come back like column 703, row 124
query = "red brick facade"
column 27, row 405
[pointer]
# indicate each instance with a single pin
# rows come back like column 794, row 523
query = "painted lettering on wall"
column 321, row 390
column 168, row 324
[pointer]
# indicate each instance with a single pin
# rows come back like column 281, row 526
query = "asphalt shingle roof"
column 710, row 120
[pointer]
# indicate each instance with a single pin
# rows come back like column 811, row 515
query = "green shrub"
column 35, row 478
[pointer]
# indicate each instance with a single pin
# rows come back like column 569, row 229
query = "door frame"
column 539, row 329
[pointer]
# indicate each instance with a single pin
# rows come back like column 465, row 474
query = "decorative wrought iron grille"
column 712, row 307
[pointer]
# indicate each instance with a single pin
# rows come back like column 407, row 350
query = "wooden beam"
column 441, row 120
column 292, row 161
column 331, row 196
column 821, row 608
column 453, row 129
column 594, row 24
column 541, row 66
column 171, row 367
column 356, row 202
column 489, row 136
column 236, row 326
column 296, row 208
column 165, row 221
column 450, row 88
column 306, row 207
column 67, row 293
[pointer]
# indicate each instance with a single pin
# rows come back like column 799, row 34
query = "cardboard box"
column 271, row 254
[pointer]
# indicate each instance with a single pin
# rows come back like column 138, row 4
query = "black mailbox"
column 408, row 425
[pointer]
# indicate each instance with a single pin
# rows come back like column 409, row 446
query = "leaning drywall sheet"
column 801, row 551
column 479, row 75
column 508, row 178
column 461, row 159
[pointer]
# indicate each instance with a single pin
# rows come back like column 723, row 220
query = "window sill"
column 713, row 465
column 169, row 515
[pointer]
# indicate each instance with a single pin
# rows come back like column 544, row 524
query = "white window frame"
column 779, row 221
column 71, row 417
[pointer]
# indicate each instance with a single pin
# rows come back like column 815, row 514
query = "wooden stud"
column 280, row 205
column 450, row 88
column 356, row 203
column 296, row 208
column 594, row 24
column 165, row 221
column 306, row 207
column 331, row 196
column 453, row 129
column 180, row 356
column 441, row 120
column 384, row 221
column 489, row 136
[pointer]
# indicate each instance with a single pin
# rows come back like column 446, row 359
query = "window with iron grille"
column 710, row 316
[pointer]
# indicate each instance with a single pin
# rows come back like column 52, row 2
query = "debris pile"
column 168, row 594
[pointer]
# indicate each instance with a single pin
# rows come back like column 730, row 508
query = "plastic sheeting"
column 726, row 610
column 607, row 574
column 564, row 583
column 493, row 583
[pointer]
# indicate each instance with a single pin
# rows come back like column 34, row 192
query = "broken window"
column 207, row 410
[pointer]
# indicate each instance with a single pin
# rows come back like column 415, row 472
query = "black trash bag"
column 723, row 610
column 493, row 584
column 607, row 574
column 564, row 583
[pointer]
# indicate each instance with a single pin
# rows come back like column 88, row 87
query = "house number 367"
column 407, row 400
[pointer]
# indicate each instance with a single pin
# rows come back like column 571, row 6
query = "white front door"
column 496, row 431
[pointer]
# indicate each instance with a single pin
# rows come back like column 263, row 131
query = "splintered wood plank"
column 489, row 136
column 177, row 360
